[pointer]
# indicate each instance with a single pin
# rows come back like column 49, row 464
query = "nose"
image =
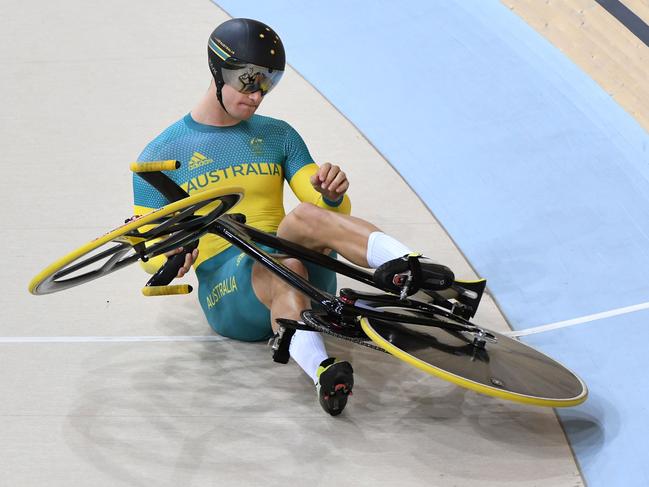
column 256, row 97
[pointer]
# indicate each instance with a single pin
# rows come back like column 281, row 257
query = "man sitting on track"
column 222, row 142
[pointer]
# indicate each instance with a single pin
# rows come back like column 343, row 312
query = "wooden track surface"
column 596, row 41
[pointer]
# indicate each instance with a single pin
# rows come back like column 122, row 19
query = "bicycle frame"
column 450, row 347
column 244, row 237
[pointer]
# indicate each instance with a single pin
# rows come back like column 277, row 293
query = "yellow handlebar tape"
column 155, row 166
column 166, row 290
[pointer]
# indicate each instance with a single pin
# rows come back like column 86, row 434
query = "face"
column 241, row 106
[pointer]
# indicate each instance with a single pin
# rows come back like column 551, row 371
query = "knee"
column 296, row 266
column 279, row 287
column 308, row 216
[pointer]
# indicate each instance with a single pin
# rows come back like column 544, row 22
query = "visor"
column 249, row 78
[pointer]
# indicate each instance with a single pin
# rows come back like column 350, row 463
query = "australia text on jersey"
column 226, row 286
column 247, row 169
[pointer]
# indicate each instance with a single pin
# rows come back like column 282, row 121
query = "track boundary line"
column 112, row 339
column 578, row 321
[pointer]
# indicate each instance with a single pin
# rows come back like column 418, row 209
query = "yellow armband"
column 301, row 185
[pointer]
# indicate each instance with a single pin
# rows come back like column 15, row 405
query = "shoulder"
column 164, row 140
column 270, row 124
column 281, row 131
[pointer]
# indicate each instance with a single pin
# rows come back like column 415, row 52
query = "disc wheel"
column 495, row 365
column 172, row 226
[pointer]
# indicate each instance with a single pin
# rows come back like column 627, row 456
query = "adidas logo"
column 197, row 160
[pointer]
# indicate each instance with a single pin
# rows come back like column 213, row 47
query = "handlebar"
column 140, row 167
column 158, row 284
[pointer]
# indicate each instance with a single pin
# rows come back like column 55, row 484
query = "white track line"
column 126, row 339
column 578, row 321
column 110, row 339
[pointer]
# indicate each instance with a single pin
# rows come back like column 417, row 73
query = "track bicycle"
column 430, row 330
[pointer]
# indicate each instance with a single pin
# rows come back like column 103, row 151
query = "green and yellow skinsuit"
column 258, row 155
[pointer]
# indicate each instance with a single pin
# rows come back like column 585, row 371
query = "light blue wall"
column 536, row 173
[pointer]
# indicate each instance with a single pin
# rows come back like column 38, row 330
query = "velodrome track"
column 87, row 84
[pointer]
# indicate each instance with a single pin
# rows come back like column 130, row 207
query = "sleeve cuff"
column 334, row 204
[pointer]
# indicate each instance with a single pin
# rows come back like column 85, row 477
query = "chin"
column 245, row 113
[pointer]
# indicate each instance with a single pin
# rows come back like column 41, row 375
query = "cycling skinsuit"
column 257, row 155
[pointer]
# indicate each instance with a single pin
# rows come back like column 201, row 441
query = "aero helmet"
column 247, row 55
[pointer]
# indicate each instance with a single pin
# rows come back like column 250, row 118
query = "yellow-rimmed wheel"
column 490, row 363
column 172, row 226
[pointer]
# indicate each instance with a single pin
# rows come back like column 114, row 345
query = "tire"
column 502, row 367
column 174, row 225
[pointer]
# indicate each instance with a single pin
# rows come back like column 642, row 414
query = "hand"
column 330, row 182
column 190, row 258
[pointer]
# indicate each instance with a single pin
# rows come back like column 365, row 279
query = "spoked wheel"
column 167, row 228
column 492, row 364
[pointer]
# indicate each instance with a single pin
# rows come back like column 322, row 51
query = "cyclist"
column 223, row 142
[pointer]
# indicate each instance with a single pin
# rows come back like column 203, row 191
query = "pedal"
column 408, row 274
column 281, row 341
column 462, row 311
column 405, row 286
column 470, row 294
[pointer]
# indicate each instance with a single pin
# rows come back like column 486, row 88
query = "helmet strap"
column 219, row 95
column 218, row 81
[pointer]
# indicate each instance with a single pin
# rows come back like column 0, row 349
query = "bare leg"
column 319, row 229
column 306, row 348
column 283, row 300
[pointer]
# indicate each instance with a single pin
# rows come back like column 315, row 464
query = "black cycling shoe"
column 410, row 273
column 335, row 383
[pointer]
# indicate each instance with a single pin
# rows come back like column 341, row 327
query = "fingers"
column 333, row 172
column 318, row 179
column 173, row 252
column 323, row 173
column 190, row 258
column 339, row 184
column 177, row 251
column 330, row 181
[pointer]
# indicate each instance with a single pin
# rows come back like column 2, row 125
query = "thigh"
column 229, row 302
column 322, row 278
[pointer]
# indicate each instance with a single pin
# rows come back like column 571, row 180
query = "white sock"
column 308, row 350
column 382, row 248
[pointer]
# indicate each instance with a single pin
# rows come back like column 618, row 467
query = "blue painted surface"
column 545, row 178
column 609, row 431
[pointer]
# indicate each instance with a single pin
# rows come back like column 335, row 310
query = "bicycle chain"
column 328, row 331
